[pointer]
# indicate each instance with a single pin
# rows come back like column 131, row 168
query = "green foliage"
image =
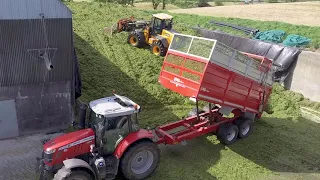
column 218, row 2
column 272, row 1
column 203, row 3
column 122, row 2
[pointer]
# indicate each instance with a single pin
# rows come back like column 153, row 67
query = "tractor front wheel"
column 140, row 161
column 67, row 174
column 158, row 49
column 135, row 40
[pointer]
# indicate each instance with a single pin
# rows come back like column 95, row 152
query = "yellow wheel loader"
column 157, row 32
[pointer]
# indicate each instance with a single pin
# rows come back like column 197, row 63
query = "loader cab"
column 160, row 22
column 113, row 119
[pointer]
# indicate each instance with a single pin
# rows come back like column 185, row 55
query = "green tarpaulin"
column 271, row 36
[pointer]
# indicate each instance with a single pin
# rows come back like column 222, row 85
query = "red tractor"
column 236, row 85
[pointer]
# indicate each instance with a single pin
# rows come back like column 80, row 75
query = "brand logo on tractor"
column 76, row 143
column 178, row 82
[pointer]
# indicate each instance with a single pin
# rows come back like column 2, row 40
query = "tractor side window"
column 117, row 128
column 135, row 124
column 120, row 122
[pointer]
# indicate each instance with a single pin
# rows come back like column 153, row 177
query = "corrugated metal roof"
column 31, row 9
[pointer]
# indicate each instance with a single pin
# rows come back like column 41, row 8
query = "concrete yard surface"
column 301, row 13
column 18, row 156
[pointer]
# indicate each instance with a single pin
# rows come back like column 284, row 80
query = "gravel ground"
column 18, row 157
column 301, row 13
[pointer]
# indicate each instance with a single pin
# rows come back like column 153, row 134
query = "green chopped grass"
column 282, row 142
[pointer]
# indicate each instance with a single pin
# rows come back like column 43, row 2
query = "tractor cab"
column 112, row 119
column 160, row 22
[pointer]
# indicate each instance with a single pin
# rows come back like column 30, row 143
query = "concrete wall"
column 305, row 77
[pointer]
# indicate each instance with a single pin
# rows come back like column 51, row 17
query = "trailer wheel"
column 227, row 133
column 140, row 161
column 245, row 127
column 67, row 174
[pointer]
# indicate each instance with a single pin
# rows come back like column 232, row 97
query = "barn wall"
column 43, row 99
column 39, row 107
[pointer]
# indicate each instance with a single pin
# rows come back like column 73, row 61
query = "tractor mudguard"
column 164, row 41
column 130, row 139
column 74, row 163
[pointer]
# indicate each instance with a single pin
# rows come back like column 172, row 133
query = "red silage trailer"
column 231, row 81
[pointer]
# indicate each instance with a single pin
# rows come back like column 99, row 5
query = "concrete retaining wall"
column 305, row 78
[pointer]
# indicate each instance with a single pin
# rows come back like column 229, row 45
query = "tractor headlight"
column 50, row 151
column 48, row 155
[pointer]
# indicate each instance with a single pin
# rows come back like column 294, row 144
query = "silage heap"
column 287, row 104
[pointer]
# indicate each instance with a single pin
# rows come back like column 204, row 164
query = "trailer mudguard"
column 130, row 139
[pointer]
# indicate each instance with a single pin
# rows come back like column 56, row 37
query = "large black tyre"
column 245, row 127
column 140, row 161
column 158, row 48
column 67, row 174
column 135, row 40
column 227, row 133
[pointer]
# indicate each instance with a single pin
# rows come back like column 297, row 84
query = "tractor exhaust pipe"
column 82, row 116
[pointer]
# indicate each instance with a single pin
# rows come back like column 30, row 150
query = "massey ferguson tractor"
column 236, row 86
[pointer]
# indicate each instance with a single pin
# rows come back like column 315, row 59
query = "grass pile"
column 282, row 141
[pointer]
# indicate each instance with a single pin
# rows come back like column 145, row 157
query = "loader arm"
column 127, row 25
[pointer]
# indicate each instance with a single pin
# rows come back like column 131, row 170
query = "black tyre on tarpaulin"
column 227, row 133
column 67, row 174
column 245, row 127
column 136, row 39
column 140, row 160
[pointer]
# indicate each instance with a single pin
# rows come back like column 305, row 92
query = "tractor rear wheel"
column 140, row 161
column 227, row 133
column 245, row 127
column 135, row 40
column 67, row 174
column 158, row 49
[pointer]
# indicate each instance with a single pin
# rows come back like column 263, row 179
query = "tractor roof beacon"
column 233, row 82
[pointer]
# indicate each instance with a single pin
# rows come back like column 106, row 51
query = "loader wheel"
column 140, row 161
column 227, row 133
column 67, row 174
column 158, row 49
column 135, row 40
column 245, row 127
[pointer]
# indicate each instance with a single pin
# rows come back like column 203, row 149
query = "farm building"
column 39, row 79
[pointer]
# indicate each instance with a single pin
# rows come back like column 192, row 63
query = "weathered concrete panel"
column 8, row 119
column 51, row 111
column 305, row 78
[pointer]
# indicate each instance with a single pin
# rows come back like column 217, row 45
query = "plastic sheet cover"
column 281, row 55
